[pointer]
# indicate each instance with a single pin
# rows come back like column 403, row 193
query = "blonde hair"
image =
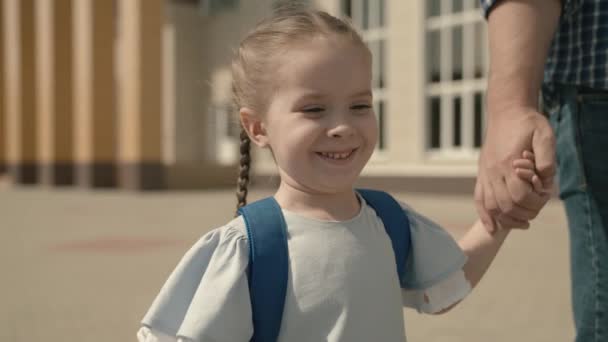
column 252, row 82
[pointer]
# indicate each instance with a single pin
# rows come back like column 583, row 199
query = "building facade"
column 136, row 93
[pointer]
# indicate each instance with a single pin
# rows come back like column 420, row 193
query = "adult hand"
column 502, row 198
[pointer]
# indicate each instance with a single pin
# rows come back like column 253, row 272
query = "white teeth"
column 336, row 155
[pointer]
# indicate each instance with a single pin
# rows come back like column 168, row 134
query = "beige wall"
column 29, row 129
column 189, row 120
column 3, row 161
column 93, row 30
column 11, row 81
column 405, row 74
column 140, row 59
column 138, row 69
column 63, row 86
column 44, row 102
column 62, row 82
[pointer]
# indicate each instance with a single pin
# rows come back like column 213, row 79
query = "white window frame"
column 447, row 89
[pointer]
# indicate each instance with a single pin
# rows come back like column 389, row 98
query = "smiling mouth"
column 337, row 155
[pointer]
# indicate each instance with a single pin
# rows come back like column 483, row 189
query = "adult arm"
column 520, row 33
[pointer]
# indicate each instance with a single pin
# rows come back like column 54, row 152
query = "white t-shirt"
column 342, row 286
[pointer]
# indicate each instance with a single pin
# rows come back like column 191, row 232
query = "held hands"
column 504, row 199
column 531, row 186
column 525, row 169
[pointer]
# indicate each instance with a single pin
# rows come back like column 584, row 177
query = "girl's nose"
column 341, row 131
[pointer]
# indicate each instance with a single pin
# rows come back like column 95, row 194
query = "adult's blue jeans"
column 579, row 117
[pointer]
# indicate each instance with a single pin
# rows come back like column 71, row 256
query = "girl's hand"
column 530, row 184
column 525, row 169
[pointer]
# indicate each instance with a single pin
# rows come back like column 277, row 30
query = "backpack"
column 269, row 257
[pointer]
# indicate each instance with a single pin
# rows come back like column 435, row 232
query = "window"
column 368, row 16
column 456, row 70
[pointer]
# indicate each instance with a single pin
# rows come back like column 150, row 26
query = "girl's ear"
column 253, row 125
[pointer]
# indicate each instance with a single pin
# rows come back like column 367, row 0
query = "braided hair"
column 244, row 166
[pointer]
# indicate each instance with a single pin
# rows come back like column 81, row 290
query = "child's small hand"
column 525, row 169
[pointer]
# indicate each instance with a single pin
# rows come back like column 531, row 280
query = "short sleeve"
column 434, row 277
column 206, row 297
column 434, row 255
column 438, row 297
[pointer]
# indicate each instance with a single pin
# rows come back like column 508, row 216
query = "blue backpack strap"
column 395, row 222
column 268, row 266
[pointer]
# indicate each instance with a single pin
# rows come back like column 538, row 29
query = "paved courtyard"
column 84, row 265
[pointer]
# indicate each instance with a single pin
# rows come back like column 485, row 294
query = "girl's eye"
column 313, row 110
column 361, row 107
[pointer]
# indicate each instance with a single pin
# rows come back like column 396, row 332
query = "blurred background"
column 111, row 109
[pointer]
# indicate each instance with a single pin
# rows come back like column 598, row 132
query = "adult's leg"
column 582, row 153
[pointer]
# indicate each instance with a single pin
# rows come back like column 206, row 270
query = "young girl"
column 302, row 83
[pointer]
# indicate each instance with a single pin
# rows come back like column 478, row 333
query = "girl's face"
column 320, row 123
